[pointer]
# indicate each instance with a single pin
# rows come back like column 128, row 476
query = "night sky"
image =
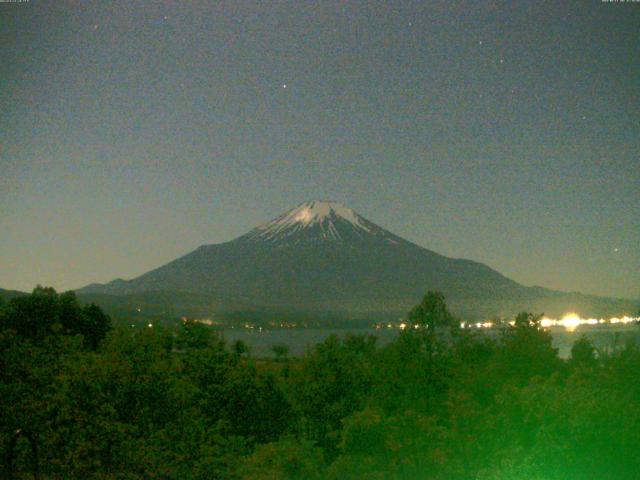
column 505, row 132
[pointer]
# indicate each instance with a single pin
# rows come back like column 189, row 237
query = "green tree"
column 526, row 350
column 286, row 459
column 45, row 312
column 281, row 352
column 432, row 312
column 329, row 384
column 240, row 348
column 583, row 353
column 405, row 445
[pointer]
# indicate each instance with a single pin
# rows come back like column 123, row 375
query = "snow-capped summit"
column 318, row 221
column 317, row 211
column 322, row 258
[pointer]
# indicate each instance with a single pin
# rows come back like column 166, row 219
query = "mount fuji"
column 324, row 258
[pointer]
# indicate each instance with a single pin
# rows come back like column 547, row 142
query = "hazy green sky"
column 505, row 132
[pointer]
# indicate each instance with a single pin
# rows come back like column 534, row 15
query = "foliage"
column 583, row 354
column 287, row 459
column 436, row 403
column 432, row 312
column 44, row 312
column 330, row 384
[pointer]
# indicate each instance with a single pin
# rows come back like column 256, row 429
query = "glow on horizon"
column 570, row 322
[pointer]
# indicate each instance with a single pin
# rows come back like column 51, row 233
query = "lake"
column 300, row 339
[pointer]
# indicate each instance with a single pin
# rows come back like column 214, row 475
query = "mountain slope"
column 324, row 257
column 7, row 295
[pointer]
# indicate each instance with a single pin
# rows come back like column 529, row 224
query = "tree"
column 526, row 350
column 240, row 348
column 374, row 445
column 583, row 353
column 331, row 383
column 195, row 335
column 281, row 352
column 95, row 326
column 46, row 312
column 287, row 459
column 432, row 312
column 32, row 316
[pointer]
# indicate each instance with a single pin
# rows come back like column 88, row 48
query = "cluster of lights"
column 479, row 324
column 204, row 321
column 404, row 325
column 570, row 322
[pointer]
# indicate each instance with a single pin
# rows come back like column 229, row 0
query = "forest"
column 82, row 397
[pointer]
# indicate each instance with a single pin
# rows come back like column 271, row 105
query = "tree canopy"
column 180, row 403
column 432, row 312
column 46, row 312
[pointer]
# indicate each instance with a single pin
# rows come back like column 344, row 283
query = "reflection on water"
column 605, row 336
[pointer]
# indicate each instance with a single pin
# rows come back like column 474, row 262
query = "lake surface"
column 299, row 340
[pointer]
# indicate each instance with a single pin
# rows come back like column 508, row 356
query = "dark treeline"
column 436, row 403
